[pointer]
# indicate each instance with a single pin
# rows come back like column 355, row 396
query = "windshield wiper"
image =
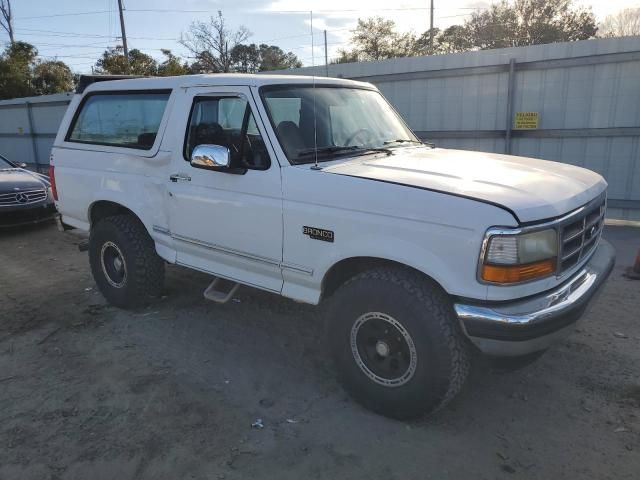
column 406, row 140
column 402, row 140
column 328, row 149
column 335, row 149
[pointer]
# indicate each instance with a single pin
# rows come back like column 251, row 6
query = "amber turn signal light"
column 518, row 273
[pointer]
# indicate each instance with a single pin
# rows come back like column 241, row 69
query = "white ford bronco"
column 316, row 189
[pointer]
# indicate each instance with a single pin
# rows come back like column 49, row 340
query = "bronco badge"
column 318, row 234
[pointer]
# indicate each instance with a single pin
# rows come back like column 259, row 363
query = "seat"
column 290, row 137
column 206, row 134
column 211, row 134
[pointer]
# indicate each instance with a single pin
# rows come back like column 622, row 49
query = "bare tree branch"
column 625, row 23
column 6, row 19
column 212, row 42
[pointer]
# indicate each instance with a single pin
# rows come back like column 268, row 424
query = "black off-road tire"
column 144, row 268
column 425, row 312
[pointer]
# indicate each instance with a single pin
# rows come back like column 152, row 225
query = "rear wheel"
column 395, row 342
column 124, row 263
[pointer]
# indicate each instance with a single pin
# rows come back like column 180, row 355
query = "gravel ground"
column 171, row 391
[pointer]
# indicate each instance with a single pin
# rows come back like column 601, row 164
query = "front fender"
column 432, row 232
column 446, row 265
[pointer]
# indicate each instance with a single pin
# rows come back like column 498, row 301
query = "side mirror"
column 214, row 157
column 22, row 165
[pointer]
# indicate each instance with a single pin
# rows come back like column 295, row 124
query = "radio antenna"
column 313, row 90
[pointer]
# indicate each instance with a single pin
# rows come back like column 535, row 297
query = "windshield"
column 347, row 120
column 4, row 163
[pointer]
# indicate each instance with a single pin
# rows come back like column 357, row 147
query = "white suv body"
column 276, row 220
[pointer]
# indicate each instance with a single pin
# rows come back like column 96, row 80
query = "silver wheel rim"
column 113, row 265
column 401, row 346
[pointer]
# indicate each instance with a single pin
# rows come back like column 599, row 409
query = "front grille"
column 579, row 236
column 26, row 197
column 26, row 216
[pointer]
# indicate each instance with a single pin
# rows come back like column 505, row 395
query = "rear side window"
column 121, row 119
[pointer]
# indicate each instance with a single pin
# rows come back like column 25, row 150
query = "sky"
column 78, row 31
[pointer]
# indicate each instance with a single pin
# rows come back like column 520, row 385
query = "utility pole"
column 326, row 56
column 6, row 19
column 431, row 28
column 124, row 35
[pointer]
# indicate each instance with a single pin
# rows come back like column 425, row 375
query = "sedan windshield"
column 328, row 122
column 5, row 164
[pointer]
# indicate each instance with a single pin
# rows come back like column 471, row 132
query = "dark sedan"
column 25, row 197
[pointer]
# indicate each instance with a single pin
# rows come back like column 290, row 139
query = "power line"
column 355, row 10
column 260, row 12
column 306, row 12
column 55, row 33
column 83, row 45
column 456, row 16
column 68, row 56
column 59, row 33
column 76, row 14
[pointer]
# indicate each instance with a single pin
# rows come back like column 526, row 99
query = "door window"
column 229, row 122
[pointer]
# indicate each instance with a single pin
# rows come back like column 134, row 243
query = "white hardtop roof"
column 218, row 79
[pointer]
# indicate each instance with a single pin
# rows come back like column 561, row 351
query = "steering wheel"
column 358, row 132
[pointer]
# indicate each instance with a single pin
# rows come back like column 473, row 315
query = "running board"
column 221, row 290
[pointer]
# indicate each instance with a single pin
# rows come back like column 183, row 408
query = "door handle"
column 179, row 177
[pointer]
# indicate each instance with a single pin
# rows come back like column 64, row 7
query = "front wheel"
column 124, row 262
column 395, row 342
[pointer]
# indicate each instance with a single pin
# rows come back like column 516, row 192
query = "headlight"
column 515, row 258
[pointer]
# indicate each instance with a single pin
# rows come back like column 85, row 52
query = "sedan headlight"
column 515, row 258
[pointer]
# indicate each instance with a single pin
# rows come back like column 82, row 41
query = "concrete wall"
column 28, row 127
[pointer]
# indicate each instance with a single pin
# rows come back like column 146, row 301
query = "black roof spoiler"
column 86, row 80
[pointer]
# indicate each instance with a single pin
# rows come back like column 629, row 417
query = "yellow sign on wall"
column 526, row 120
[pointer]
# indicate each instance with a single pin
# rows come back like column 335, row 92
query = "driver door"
column 227, row 222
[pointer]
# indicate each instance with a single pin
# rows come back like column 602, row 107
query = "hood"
column 532, row 189
column 17, row 179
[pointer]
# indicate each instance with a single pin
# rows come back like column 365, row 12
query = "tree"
column 346, row 56
column 23, row 75
column 526, row 22
column 246, row 58
column 252, row 58
column 508, row 23
column 15, row 70
column 212, row 42
column 52, row 76
column 274, row 58
column 6, row 19
column 113, row 62
column 453, row 39
column 172, row 65
column 625, row 23
column 377, row 39
column 424, row 43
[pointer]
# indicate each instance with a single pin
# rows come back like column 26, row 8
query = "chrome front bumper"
column 534, row 323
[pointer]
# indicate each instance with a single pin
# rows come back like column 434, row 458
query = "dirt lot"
column 170, row 392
